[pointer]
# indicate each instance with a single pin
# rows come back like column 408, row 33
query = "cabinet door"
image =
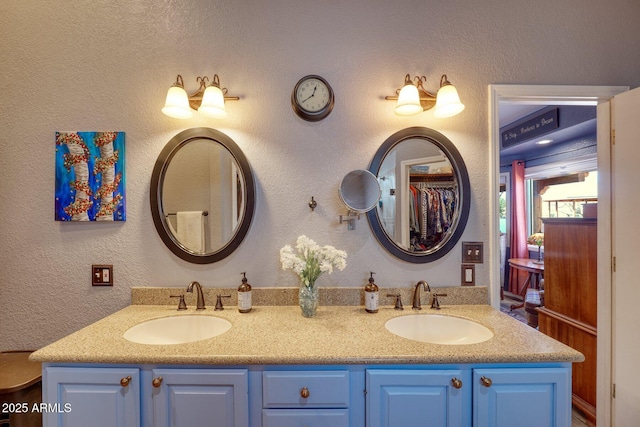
column 200, row 397
column 523, row 397
column 97, row 397
column 401, row 398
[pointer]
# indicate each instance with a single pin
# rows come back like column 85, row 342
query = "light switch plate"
column 472, row 252
column 468, row 275
column 102, row 275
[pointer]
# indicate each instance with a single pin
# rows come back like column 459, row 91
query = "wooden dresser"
column 570, row 298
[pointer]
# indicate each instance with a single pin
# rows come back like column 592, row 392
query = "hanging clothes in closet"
column 432, row 207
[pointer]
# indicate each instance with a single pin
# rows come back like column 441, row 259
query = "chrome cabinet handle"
column 125, row 381
column 157, row 382
column 456, row 383
column 304, row 392
column 486, row 381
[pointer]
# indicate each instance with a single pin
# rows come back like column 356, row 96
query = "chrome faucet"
column 200, row 301
column 416, row 294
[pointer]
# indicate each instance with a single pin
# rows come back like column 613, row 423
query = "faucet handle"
column 181, row 305
column 398, row 298
column 435, row 304
column 219, row 301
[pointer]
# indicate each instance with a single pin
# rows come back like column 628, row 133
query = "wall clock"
column 312, row 98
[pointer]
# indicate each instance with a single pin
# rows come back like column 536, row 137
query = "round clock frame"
column 303, row 102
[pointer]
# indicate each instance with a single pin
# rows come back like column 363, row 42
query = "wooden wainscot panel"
column 583, row 338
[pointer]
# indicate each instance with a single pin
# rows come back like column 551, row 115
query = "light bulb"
column 447, row 102
column 177, row 103
column 213, row 102
column 408, row 101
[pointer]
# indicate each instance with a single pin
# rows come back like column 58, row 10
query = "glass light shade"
column 447, row 102
column 408, row 101
column 177, row 104
column 213, row 102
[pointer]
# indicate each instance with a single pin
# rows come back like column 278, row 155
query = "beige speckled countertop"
column 280, row 335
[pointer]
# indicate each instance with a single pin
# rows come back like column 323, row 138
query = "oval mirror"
column 425, row 199
column 202, row 195
column 360, row 190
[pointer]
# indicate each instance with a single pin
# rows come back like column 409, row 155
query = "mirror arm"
column 350, row 219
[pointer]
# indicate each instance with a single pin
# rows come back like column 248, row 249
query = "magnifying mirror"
column 360, row 192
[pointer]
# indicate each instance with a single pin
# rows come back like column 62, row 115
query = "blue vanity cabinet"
column 478, row 395
column 199, row 397
column 411, row 397
column 81, row 397
column 526, row 397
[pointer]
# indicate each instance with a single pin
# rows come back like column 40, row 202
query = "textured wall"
column 104, row 65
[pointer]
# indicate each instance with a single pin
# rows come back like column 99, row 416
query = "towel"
column 190, row 233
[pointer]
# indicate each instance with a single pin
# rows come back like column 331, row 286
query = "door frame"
column 564, row 95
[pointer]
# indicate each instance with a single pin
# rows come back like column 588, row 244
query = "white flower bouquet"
column 309, row 260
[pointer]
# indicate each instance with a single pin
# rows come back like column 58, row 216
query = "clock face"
column 312, row 98
column 312, row 95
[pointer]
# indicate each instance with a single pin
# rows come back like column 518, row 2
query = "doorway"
column 562, row 95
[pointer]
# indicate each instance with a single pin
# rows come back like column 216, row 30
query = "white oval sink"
column 438, row 329
column 177, row 330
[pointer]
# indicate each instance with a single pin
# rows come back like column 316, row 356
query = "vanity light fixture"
column 413, row 98
column 208, row 100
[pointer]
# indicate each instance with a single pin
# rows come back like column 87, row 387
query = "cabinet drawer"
column 305, row 417
column 326, row 389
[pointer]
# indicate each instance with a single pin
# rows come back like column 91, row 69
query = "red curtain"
column 518, row 224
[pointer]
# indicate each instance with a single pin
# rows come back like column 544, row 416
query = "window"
column 560, row 197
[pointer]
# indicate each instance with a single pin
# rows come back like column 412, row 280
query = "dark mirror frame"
column 464, row 189
column 155, row 193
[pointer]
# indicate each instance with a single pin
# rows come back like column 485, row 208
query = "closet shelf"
column 438, row 177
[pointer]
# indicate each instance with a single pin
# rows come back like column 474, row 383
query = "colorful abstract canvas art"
column 90, row 176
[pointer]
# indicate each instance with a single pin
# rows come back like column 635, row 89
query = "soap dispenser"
column 244, row 295
column 371, row 296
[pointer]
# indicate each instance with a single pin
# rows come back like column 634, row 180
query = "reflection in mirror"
column 202, row 195
column 424, row 206
column 425, row 195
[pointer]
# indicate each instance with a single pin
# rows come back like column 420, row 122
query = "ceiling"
column 576, row 123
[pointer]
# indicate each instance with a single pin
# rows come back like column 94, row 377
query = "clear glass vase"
column 308, row 298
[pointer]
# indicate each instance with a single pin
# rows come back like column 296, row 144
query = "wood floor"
column 579, row 420
column 505, row 307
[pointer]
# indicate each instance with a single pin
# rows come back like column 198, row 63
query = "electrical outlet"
column 102, row 275
column 472, row 252
column 468, row 275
